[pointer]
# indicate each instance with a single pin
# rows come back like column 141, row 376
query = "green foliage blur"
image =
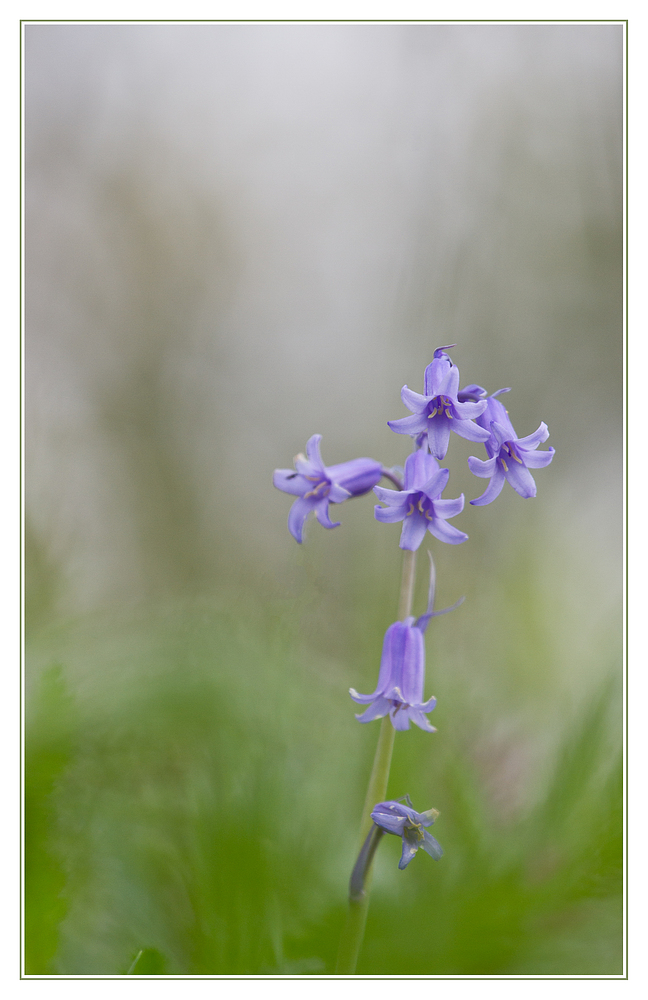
column 195, row 777
column 238, row 236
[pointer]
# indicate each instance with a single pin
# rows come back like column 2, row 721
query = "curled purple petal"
column 468, row 411
column 322, row 515
column 536, row 459
column 484, row 469
column 446, row 532
column 436, row 484
column 409, row 425
column 533, row 440
column 448, row 508
column 520, row 479
column 378, row 710
column 297, row 516
column 392, row 497
column 288, row 481
column 431, row 846
column 413, row 400
column 389, row 515
column 313, row 451
column 471, row 432
column 493, row 489
column 409, row 850
column 418, row 718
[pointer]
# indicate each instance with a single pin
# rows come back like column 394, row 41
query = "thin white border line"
column 623, row 23
column 334, row 977
column 22, row 499
column 625, row 496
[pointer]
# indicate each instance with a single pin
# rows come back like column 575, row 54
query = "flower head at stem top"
column 403, row 821
column 419, row 506
column 440, row 409
column 316, row 485
column 401, row 678
column 510, row 457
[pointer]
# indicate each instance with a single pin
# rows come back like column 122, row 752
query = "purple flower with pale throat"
column 316, row 485
column 419, row 505
column 403, row 821
column 510, row 457
column 401, row 678
column 440, row 410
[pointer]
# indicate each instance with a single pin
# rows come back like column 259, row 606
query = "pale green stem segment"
column 135, row 961
column 353, row 933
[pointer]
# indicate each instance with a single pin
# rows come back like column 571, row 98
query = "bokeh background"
column 238, row 236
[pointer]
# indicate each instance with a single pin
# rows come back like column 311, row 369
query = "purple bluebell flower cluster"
column 472, row 414
column 469, row 412
column 403, row 821
column 416, row 503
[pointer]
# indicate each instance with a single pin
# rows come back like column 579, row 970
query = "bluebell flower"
column 510, row 457
column 440, row 410
column 403, row 821
column 419, row 505
column 316, row 485
column 401, row 677
column 473, row 393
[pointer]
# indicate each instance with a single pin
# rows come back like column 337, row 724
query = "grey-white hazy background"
column 238, row 235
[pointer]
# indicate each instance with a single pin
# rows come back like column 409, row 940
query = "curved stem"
column 353, row 933
column 395, row 480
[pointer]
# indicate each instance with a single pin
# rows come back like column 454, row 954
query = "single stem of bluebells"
column 353, row 934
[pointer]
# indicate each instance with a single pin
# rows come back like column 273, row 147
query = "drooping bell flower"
column 440, row 410
column 404, row 821
column 419, row 505
column 510, row 457
column 401, row 678
column 316, row 485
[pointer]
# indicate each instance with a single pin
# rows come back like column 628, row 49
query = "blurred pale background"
column 238, row 236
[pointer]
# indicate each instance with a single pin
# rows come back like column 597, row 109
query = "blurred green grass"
column 195, row 775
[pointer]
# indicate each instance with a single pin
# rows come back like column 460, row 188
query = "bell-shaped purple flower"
column 403, row 821
column 316, row 485
column 510, row 457
column 401, row 678
column 440, row 410
column 419, row 505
